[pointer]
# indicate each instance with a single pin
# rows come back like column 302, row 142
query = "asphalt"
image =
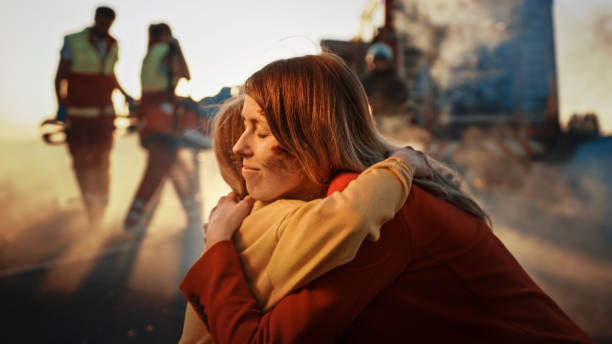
column 122, row 295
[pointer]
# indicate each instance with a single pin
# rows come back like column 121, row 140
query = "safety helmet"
column 379, row 51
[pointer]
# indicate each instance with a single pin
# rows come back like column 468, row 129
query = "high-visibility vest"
column 152, row 76
column 162, row 111
column 158, row 103
column 91, row 79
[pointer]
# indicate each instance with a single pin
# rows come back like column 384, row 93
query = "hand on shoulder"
column 415, row 159
column 226, row 217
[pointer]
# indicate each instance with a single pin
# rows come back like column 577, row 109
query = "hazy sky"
column 225, row 41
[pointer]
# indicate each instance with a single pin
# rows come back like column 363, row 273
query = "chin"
column 262, row 195
column 257, row 195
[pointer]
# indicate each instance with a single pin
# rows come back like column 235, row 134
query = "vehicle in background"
column 481, row 83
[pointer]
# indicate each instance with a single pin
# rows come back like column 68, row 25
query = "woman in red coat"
column 437, row 273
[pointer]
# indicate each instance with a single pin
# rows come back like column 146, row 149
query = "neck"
column 310, row 192
column 305, row 193
column 98, row 34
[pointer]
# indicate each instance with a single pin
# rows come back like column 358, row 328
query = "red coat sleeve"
column 317, row 313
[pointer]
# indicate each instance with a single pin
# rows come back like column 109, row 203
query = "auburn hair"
column 317, row 109
column 319, row 112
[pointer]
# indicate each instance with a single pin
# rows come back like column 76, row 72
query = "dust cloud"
column 43, row 217
column 554, row 216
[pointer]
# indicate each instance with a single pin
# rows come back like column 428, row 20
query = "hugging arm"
column 322, row 234
column 318, row 312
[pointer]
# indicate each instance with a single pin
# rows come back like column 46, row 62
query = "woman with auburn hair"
column 437, row 273
column 277, row 251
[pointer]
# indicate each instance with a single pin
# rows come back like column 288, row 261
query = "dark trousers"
column 166, row 160
column 90, row 141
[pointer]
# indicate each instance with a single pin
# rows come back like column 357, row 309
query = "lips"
column 249, row 167
column 249, row 171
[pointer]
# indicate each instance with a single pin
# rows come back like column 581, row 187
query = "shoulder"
column 264, row 221
column 341, row 181
column 268, row 215
column 70, row 36
column 85, row 31
column 279, row 206
column 434, row 221
column 421, row 201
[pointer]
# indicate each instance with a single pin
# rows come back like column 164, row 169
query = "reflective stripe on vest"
column 91, row 111
column 152, row 77
column 91, row 79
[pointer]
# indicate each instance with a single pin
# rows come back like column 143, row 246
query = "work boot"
column 134, row 221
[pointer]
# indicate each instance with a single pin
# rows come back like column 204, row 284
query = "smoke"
column 603, row 30
column 43, row 218
column 462, row 28
column 555, row 219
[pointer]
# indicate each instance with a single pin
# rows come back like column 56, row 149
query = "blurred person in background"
column 84, row 83
column 388, row 93
column 164, row 118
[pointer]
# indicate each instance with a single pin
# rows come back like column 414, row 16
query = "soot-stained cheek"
column 280, row 160
column 278, row 149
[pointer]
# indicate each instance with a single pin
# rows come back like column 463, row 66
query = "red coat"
column 437, row 275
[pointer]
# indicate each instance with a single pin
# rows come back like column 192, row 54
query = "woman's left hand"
column 226, row 217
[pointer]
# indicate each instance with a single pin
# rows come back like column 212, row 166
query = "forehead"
column 251, row 110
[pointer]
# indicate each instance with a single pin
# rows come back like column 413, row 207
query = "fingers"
column 416, row 159
column 226, row 217
column 231, row 197
column 244, row 206
column 232, row 203
column 427, row 170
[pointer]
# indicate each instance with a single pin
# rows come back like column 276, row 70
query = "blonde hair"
column 319, row 112
column 227, row 128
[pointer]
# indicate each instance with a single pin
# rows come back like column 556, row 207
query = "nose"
column 242, row 147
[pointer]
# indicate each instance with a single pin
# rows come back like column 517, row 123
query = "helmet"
column 379, row 51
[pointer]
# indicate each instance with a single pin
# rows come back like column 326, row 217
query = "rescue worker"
column 388, row 93
column 164, row 119
column 84, row 82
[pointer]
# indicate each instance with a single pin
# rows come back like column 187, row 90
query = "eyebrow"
column 261, row 118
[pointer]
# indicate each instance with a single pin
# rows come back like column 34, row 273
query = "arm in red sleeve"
column 319, row 312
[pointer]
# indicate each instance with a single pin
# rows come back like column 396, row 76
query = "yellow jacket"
column 285, row 244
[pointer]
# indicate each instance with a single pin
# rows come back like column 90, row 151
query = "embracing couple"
column 331, row 234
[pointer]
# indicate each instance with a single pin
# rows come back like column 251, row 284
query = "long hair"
column 319, row 112
column 227, row 128
column 316, row 110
